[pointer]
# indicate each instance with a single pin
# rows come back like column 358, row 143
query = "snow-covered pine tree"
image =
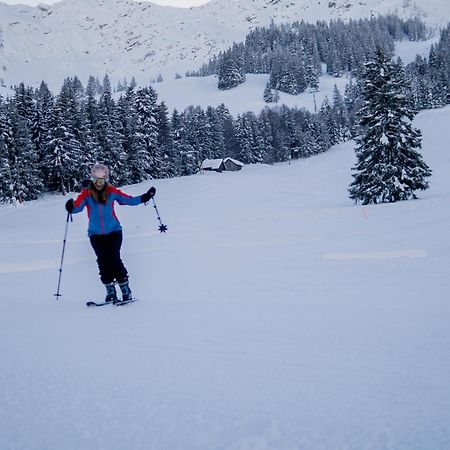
column 443, row 53
column 110, row 134
column 165, row 141
column 90, row 111
column 19, row 162
column 268, row 133
column 230, row 72
column 288, row 75
column 353, row 103
column 201, row 133
column 40, row 127
column 228, row 130
column 312, row 72
column 184, row 141
column 176, row 124
column 130, row 171
column 6, row 146
column 245, row 139
column 115, row 155
column 61, row 151
column 259, row 150
column 419, row 79
column 216, row 133
column 23, row 112
column 268, row 95
column 341, row 116
column 25, row 175
column 24, row 104
column 276, row 96
column 80, row 126
column 328, row 118
column 289, row 147
column 196, row 138
column 389, row 166
column 147, row 133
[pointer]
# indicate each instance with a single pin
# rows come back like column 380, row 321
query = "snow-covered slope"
column 274, row 314
column 125, row 38
column 202, row 91
column 181, row 93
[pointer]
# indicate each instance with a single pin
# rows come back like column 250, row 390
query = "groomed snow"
column 264, row 321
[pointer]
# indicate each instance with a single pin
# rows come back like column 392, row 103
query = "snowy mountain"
column 126, row 38
column 275, row 314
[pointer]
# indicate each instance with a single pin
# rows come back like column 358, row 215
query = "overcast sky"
column 180, row 3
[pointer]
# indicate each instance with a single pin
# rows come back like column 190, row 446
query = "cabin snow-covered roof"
column 212, row 164
column 235, row 161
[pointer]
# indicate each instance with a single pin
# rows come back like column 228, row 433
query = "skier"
column 104, row 230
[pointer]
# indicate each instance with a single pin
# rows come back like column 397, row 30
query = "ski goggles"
column 99, row 181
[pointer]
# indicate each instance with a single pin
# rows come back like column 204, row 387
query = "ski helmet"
column 100, row 171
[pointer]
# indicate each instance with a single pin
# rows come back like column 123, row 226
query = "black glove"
column 70, row 205
column 148, row 195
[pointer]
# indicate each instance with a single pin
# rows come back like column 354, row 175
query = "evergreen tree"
column 185, row 144
column 329, row 120
column 389, row 166
column 110, row 134
column 200, row 133
column 312, row 72
column 268, row 94
column 90, row 111
column 130, row 171
column 147, row 134
column 341, row 116
column 165, row 142
column 228, row 131
column 24, row 104
column 268, row 130
column 288, row 75
column 217, row 139
column 40, row 127
column 61, row 152
column 245, row 139
column 176, row 125
column 26, row 182
column 230, row 73
column 353, row 103
column 6, row 149
column 259, row 151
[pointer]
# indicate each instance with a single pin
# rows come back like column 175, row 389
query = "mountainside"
column 126, row 38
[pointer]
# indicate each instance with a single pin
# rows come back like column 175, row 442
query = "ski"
column 91, row 304
column 121, row 303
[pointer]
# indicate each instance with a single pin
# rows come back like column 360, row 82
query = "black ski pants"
column 107, row 249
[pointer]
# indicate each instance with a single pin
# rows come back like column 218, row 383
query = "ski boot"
column 126, row 291
column 111, row 294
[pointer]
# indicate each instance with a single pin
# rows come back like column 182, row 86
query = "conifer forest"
column 48, row 140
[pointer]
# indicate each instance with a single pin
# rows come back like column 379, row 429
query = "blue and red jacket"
column 102, row 217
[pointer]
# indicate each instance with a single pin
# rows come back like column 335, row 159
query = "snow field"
column 274, row 314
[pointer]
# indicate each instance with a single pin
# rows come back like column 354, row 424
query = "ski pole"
column 162, row 228
column 57, row 295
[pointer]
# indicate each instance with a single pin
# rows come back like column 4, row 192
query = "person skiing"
column 104, row 230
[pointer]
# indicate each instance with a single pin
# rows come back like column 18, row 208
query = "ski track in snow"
column 377, row 255
column 274, row 314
